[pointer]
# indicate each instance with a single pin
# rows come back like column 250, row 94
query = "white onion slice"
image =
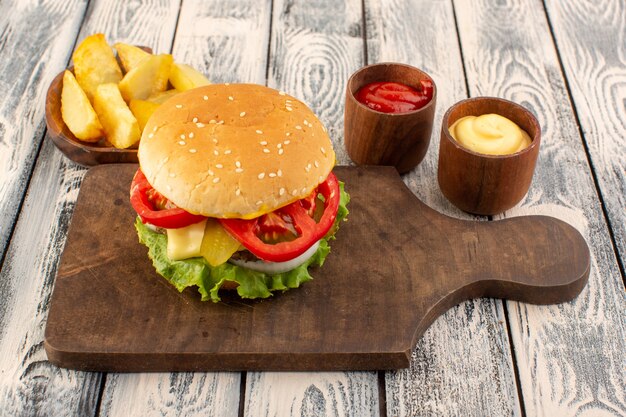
column 152, row 227
column 277, row 267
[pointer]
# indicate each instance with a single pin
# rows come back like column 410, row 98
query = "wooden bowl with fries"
column 95, row 151
column 84, row 153
column 97, row 109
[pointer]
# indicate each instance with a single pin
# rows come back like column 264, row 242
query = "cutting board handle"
column 534, row 259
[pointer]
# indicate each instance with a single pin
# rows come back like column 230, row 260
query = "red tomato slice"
column 150, row 206
column 308, row 231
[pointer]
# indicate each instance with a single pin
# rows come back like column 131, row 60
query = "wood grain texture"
column 30, row 385
column 340, row 394
column 30, row 57
column 228, row 43
column 455, row 369
column 463, row 361
column 591, row 39
column 150, row 23
column 171, row 394
column 314, row 47
column 570, row 357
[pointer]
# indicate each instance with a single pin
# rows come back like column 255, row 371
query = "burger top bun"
column 234, row 150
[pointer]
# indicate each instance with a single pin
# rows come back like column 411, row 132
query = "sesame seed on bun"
column 234, row 150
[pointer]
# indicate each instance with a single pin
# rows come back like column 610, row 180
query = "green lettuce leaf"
column 252, row 284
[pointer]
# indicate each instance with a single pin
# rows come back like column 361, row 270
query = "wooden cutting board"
column 395, row 267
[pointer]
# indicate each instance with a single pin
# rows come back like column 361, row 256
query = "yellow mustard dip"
column 489, row 134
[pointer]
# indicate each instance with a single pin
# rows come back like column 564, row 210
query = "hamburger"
column 235, row 191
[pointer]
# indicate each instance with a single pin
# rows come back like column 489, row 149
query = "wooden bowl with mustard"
column 487, row 154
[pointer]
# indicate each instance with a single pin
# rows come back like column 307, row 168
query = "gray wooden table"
column 563, row 59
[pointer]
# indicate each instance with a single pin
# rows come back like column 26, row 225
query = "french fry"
column 149, row 77
column 183, row 77
column 130, row 56
column 121, row 127
column 163, row 96
column 77, row 112
column 95, row 64
column 142, row 110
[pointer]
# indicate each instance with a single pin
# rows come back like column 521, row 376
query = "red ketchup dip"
column 390, row 97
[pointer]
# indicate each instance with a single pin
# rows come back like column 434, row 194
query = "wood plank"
column 149, row 23
column 570, row 356
column 314, row 48
column 591, row 39
column 175, row 394
column 30, row 384
column 30, row 56
column 228, row 44
column 462, row 364
column 312, row 394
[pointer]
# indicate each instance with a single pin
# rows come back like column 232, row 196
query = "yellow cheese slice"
column 185, row 242
column 207, row 239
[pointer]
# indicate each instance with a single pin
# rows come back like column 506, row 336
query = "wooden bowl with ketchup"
column 481, row 183
column 386, row 136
